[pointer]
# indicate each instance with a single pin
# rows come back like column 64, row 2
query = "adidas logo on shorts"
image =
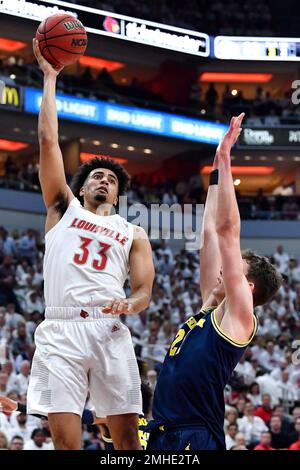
column 115, row 328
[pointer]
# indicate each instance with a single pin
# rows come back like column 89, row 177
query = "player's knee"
column 128, row 443
column 64, row 441
column 128, row 439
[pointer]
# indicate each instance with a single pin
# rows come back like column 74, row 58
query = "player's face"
column 100, row 187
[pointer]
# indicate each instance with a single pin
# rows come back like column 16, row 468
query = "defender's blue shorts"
column 183, row 438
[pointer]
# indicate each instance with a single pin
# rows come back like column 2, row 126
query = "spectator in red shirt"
column 265, row 442
column 295, row 446
column 265, row 411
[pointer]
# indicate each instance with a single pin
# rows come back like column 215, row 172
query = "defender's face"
column 101, row 186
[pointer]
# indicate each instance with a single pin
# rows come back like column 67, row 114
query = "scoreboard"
column 257, row 48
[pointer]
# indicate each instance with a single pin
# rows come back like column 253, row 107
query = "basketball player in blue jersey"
column 188, row 405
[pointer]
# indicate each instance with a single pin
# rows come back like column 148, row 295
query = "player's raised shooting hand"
column 118, row 307
column 45, row 66
column 231, row 135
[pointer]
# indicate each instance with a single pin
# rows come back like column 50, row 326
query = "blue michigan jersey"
column 189, row 395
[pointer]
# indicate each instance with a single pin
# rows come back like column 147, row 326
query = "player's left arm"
column 141, row 277
column 238, row 319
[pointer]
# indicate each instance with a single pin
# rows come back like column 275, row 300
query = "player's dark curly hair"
column 266, row 278
column 84, row 170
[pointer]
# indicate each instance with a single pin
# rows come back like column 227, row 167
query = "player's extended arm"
column 51, row 172
column 141, row 277
column 239, row 303
column 210, row 258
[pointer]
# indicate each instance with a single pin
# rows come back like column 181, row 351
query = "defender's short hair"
column 266, row 278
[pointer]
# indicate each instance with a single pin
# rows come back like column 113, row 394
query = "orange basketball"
column 62, row 39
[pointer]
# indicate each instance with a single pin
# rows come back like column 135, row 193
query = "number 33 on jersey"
column 92, row 253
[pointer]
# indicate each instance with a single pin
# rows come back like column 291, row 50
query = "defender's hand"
column 45, row 66
column 231, row 135
column 118, row 307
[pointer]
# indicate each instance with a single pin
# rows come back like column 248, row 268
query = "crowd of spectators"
column 262, row 108
column 282, row 204
column 262, row 397
column 23, row 177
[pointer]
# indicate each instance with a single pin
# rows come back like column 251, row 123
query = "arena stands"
column 283, row 204
column 261, row 107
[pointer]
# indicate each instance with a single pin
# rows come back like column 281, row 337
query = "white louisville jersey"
column 86, row 258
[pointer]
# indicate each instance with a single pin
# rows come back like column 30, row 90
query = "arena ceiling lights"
column 224, row 77
column 243, row 170
column 97, row 63
column 12, row 146
column 9, row 45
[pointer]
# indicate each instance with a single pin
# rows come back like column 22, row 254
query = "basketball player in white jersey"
column 82, row 345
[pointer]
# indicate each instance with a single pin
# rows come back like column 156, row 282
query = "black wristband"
column 214, row 177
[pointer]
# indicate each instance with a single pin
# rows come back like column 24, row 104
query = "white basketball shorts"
column 80, row 351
